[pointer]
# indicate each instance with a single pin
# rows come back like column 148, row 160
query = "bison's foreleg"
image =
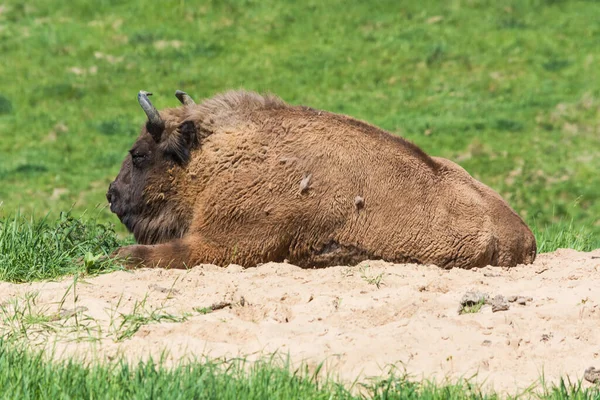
column 180, row 253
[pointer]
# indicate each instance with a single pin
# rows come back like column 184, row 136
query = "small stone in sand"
column 522, row 300
column 471, row 298
column 592, row 375
column 499, row 303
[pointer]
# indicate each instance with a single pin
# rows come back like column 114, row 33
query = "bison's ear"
column 179, row 145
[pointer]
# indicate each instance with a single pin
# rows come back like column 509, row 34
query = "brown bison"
column 245, row 178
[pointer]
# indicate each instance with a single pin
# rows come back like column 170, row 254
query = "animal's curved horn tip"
column 184, row 98
column 144, row 93
column 181, row 95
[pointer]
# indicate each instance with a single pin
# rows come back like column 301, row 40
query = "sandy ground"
column 359, row 320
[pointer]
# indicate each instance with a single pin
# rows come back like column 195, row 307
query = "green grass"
column 46, row 248
column 563, row 235
column 142, row 315
column 28, row 375
column 509, row 89
column 472, row 309
column 371, row 279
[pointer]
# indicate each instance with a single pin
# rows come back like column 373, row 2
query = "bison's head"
column 146, row 195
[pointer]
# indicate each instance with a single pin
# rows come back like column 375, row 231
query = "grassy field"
column 510, row 90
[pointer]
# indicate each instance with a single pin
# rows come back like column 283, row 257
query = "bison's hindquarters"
column 515, row 242
column 477, row 211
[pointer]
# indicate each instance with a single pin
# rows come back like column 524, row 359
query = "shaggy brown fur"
column 243, row 178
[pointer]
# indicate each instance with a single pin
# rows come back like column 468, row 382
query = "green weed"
column 24, row 320
column 47, row 248
column 141, row 314
column 376, row 280
column 472, row 309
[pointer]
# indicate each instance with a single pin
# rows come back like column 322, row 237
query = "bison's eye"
column 138, row 158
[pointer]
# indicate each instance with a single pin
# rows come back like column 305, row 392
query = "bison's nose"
column 110, row 193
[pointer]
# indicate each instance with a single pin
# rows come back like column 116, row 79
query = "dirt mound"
column 359, row 320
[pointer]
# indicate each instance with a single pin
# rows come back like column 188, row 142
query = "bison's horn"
column 150, row 110
column 184, row 98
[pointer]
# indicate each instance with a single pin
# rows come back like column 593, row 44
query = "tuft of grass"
column 24, row 320
column 473, row 308
column 141, row 315
column 33, row 249
column 376, row 280
column 203, row 310
column 565, row 235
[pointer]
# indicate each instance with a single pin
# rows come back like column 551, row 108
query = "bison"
column 247, row 178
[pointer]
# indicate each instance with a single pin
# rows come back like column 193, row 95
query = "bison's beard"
column 155, row 229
